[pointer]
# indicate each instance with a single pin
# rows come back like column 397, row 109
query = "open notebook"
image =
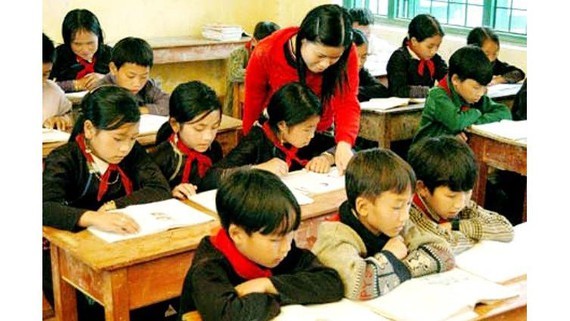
column 343, row 310
column 506, row 128
column 388, row 103
column 503, row 90
column 311, row 183
column 156, row 217
column 149, row 124
column 451, row 295
column 54, row 135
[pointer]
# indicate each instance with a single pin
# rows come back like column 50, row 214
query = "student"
column 239, row 58
column 379, row 50
column 414, row 67
column 294, row 112
column 460, row 98
column 131, row 61
column 371, row 243
column 83, row 58
column 251, row 266
column 101, row 168
column 446, row 170
column 368, row 86
column 321, row 55
column 488, row 40
column 56, row 106
column 186, row 146
column 519, row 104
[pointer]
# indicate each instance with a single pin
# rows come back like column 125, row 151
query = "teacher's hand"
column 342, row 155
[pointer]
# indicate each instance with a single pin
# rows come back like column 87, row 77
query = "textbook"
column 388, row 103
column 503, row 90
column 150, row 124
column 222, row 32
column 342, row 310
column 506, row 128
column 437, row 297
column 155, row 217
column 54, row 135
column 312, row 183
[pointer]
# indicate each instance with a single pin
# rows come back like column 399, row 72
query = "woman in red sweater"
column 320, row 55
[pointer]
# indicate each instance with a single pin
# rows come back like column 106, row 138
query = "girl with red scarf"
column 188, row 148
column 251, row 266
column 101, row 168
column 281, row 143
column 414, row 67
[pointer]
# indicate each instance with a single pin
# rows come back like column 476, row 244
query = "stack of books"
column 222, row 32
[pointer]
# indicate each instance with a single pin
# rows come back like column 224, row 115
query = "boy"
column 460, row 99
column 252, row 267
column 446, row 171
column 56, row 106
column 131, row 60
column 372, row 244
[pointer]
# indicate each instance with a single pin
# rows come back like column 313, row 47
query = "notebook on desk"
column 150, row 124
column 389, row 103
column 506, row 128
column 342, row 310
column 54, row 135
column 503, row 90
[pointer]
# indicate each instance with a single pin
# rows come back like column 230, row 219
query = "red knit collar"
column 290, row 153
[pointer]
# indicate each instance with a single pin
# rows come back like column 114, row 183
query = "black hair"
column 444, row 161
column 48, row 50
column 423, row 26
column 359, row 38
column 470, row 62
column 107, row 107
column 257, row 201
column 478, row 35
column 187, row 101
column 293, row 103
column 363, row 16
column 328, row 25
column 81, row 19
column 374, row 171
column 132, row 50
column 264, row 29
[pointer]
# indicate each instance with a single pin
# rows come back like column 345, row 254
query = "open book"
column 388, row 103
column 443, row 296
column 156, row 217
column 54, row 135
column 149, row 124
column 342, row 310
column 506, row 128
column 312, row 183
column 503, row 90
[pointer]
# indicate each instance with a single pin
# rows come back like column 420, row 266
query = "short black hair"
column 363, row 16
column 470, row 62
column 257, row 201
column 264, row 29
column 48, row 50
column 478, row 35
column 374, row 171
column 358, row 37
column 132, row 50
column 444, row 161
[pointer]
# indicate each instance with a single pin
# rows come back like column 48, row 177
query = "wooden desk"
column 185, row 48
column 496, row 152
column 386, row 126
column 238, row 99
column 138, row 272
column 228, row 136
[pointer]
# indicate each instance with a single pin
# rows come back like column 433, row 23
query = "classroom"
column 121, row 276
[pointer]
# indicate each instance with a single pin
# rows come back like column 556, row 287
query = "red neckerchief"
column 419, row 203
column 243, row 266
column 88, row 67
column 103, row 185
column 333, row 218
column 423, row 63
column 204, row 162
column 443, row 84
column 290, row 154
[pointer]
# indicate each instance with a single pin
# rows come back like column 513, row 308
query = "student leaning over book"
column 371, row 243
column 101, row 168
column 251, row 266
column 446, row 170
column 460, row 99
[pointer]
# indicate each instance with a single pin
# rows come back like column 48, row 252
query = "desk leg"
column 116, row 296
column 65, row 299
column 384, row 131
column 478, row 147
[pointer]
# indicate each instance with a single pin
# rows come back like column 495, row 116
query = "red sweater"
column 268, row 70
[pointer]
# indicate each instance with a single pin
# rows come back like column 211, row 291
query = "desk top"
column 396, row 110
column 186, row 48
column 489, row 134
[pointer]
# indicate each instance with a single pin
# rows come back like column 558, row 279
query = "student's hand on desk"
column 462, row 136
column 497, row 79
column 91, row 80
column 259, row 285
column 275, row 165
column 182, row 191
column 58, row 122
column 111, row 222
column 342, row 156
column 397, row 247
column 320, row 164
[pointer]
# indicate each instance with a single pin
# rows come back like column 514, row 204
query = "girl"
column 368, row 86
column 487, row 39
column 318, row 54
column 414, row 67
column 294, row 112
column 188, row 148
column 83, row 58
column 101, row 168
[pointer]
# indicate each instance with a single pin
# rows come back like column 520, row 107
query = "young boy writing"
column 131, row 60
column 56, row 106
column 252, row 267
column 372, row 244
column 446, row 171
column 460, row 99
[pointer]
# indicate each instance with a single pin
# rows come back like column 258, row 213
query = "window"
column 506, row 17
